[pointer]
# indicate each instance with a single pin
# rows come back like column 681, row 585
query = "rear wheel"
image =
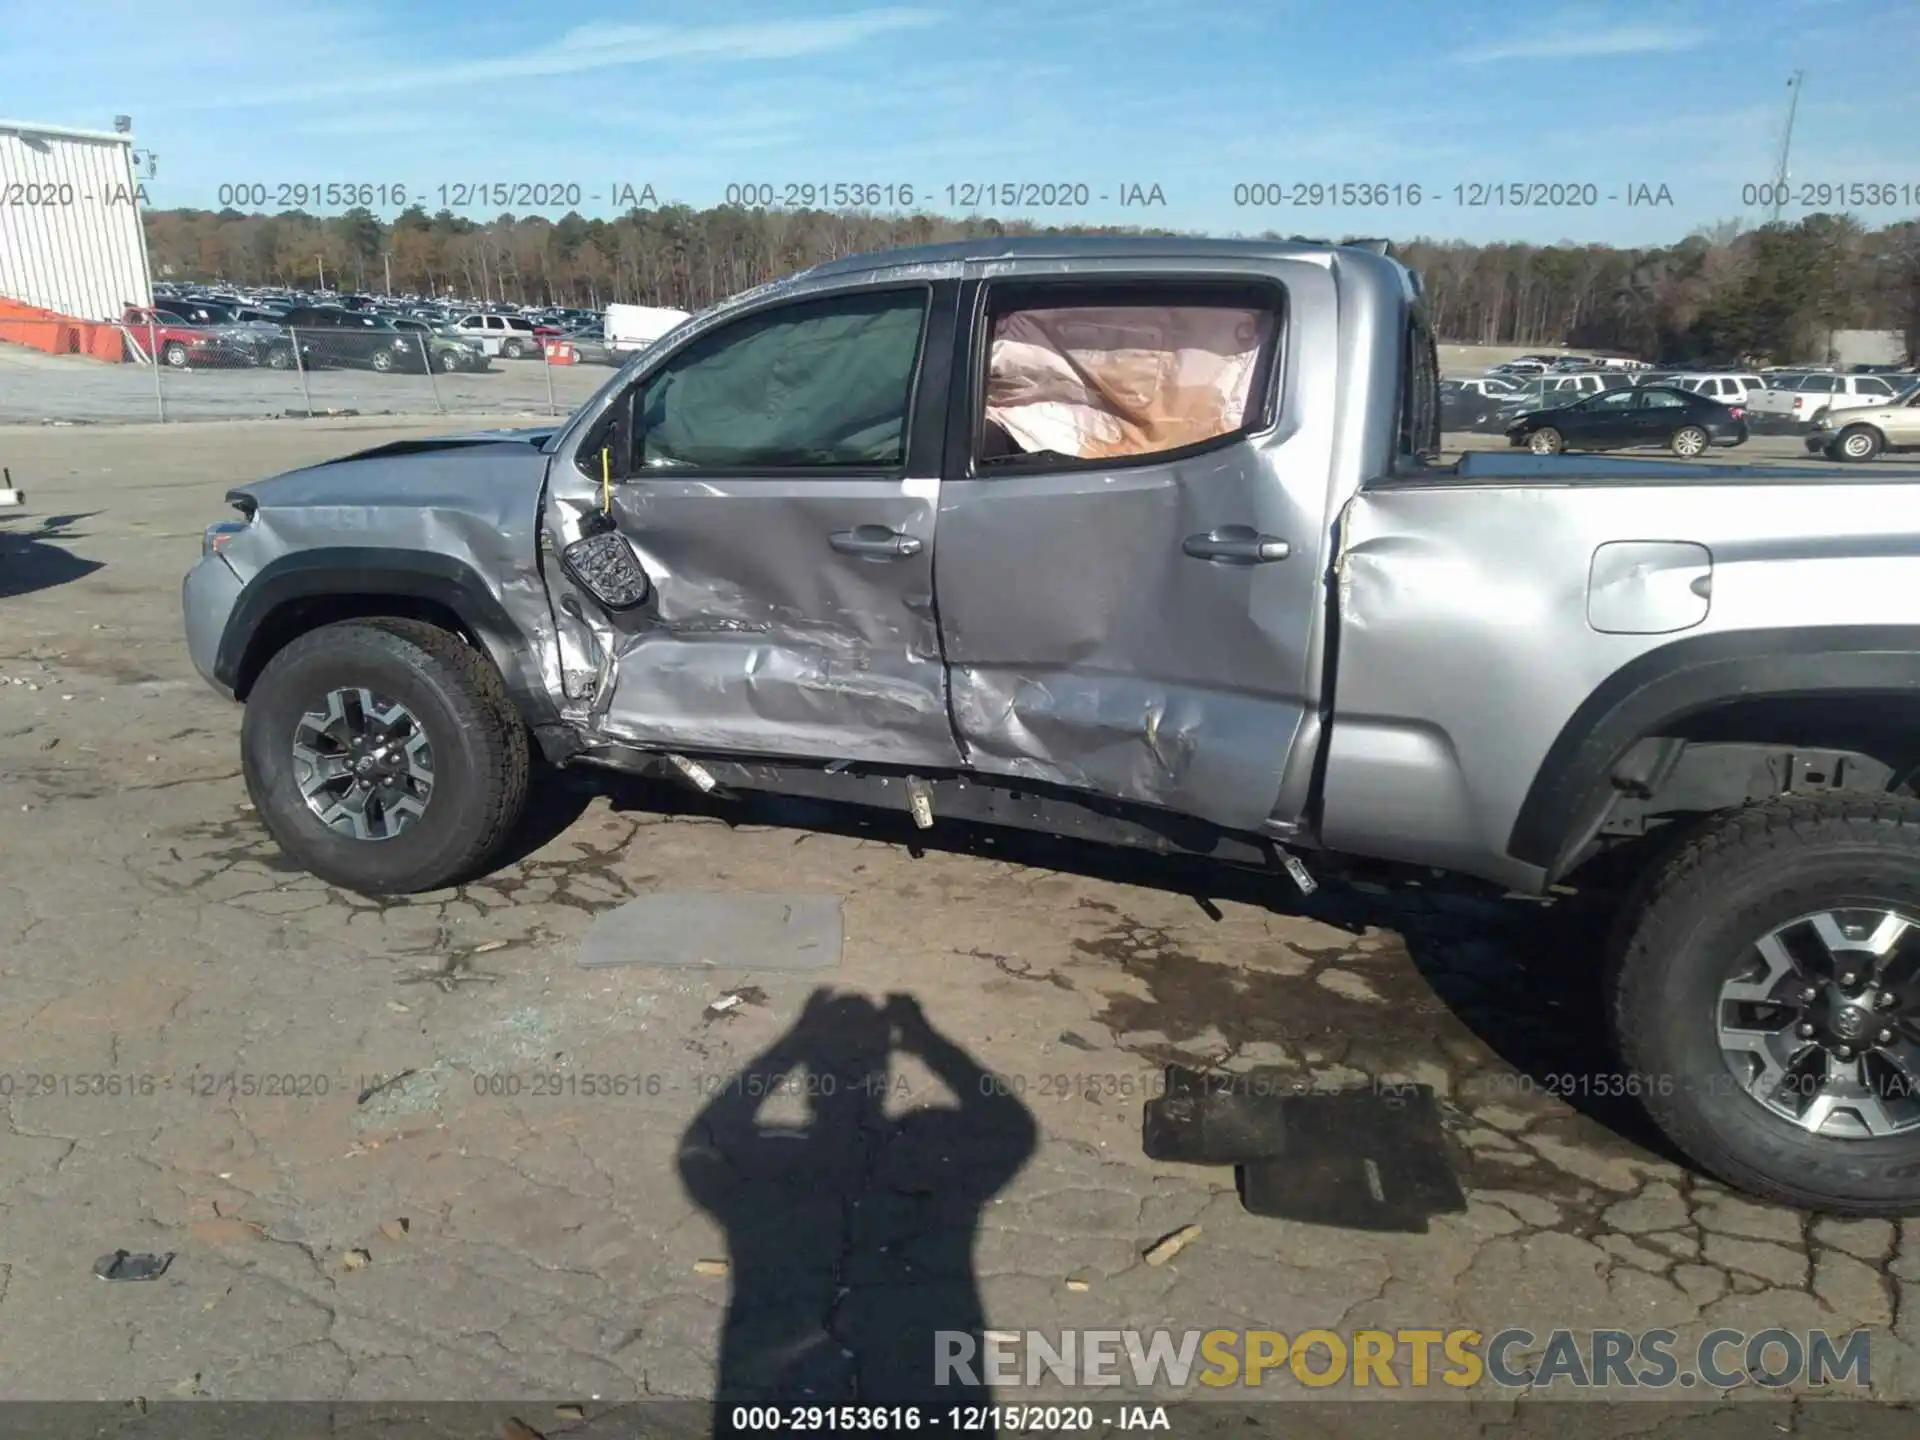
column 1546, row 441
column 1767, row 1001
column 1689, row 441
column 384, row 756
column 1857, row 442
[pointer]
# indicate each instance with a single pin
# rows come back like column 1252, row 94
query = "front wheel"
column 383, row 360
column 1767, row 1001
column 1857, row 442
column 1689, row 441
column 384, row 756
column 175, row 355
column 512, row 350
column 1546, row 441
column 449, row 361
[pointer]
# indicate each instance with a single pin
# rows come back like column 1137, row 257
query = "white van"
column 632, row 327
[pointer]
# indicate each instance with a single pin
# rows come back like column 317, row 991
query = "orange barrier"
column 59, row 334
column 561, row 352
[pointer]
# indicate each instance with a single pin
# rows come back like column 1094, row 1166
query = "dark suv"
column 330, row 336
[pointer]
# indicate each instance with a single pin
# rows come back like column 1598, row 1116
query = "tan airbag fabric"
column 1102, row 383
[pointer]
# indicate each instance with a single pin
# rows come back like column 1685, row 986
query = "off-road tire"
column 1728, row 882
column 480, row 745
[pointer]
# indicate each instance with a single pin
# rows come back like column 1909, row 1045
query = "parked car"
column 590, row 344
column 450, row 350
column 509, row 335
column 1463, row 408
column 1783, row 408
column 1725, row 386
column 1864, row 431
column 179, row 343
column 1493, row 387
column 330, row 336
column 1686, row 423
column 1519, row 367
column 1535, row 669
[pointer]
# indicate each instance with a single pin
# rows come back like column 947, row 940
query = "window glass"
column 1875, row 387
column 1818, row 385
column 1121, row 380
column 1664, row 400
column 1419, row 408
column 821, row 383
column 494, row 322
column 1614, row 400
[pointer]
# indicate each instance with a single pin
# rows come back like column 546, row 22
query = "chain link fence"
column 150, row 367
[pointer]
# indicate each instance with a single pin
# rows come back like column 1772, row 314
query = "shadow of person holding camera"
column 850, row 1234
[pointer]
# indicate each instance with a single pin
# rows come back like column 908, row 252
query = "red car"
column 179, row 343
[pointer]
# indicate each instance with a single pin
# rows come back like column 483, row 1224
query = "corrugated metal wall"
column 70, row 237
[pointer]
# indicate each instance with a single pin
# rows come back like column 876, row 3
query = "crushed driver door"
column 775, row 475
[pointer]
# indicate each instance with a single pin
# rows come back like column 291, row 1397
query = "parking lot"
column 37, row 388
column 362, row 1130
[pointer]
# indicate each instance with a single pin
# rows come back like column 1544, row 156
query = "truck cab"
column 1146, row 540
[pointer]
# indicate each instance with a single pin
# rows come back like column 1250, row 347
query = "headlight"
column 216, row 537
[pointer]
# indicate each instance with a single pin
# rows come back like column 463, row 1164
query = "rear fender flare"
column 1674, row 682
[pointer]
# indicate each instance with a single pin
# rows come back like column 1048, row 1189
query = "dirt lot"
column 403, row 1226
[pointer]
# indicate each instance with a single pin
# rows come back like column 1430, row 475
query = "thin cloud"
column 1589, row 44
column 604, row 47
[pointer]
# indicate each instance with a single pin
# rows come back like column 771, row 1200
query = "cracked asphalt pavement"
column 407, row 1149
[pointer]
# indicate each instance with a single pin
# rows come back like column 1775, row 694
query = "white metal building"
column 70, row 231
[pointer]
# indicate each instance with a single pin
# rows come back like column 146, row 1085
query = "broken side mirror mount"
column 603, row 564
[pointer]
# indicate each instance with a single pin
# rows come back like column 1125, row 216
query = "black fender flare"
column 368, row 572
column 1668, row 684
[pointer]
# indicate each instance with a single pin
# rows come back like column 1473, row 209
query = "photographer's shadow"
column 850, row 1232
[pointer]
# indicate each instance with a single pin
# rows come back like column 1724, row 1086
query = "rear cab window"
column 1097, row 374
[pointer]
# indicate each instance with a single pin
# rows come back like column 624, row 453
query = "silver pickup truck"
column 1144, row 540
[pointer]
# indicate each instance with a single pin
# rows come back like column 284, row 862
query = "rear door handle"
column 875, row 542
column 1237, row 545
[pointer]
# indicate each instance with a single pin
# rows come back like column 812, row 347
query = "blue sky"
column 1193, row 97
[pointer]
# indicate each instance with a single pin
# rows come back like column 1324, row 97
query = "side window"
column 1122, row 372
column 1871, row 386
column 1663, row 400
column 818, row 384
column 494, row 322
column 1818, row 385
column 472, row 322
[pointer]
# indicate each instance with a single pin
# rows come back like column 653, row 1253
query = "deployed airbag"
column 1106, row 382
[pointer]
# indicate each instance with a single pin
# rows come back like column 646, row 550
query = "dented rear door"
column 1144, row 630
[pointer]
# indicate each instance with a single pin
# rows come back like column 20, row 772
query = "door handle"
column 1236, row 544
column 876, row 542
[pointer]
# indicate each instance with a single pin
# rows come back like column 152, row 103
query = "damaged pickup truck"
column 1143, row 540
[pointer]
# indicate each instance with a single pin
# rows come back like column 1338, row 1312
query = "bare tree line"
column 1723, row 294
